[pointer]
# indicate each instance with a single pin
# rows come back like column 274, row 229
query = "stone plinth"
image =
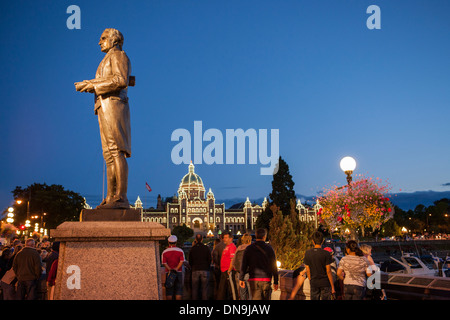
column 109, row 260
column 110, row 215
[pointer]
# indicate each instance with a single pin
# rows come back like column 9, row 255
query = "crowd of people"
column 28, row 269
column 249, row 271
column 333, row 279
column 243, row 271
column 227, row 272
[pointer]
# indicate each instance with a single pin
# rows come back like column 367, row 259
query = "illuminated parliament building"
column 198, row 210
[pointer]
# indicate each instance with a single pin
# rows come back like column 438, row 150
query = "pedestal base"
column 109, row 260
column 110, row 215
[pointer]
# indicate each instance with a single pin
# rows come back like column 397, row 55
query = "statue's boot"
column 120, row 200
column 111, row 186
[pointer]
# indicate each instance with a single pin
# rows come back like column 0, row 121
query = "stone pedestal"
column 110, row 215
column 109, row 260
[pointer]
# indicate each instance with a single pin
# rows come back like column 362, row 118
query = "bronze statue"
column 111, row 105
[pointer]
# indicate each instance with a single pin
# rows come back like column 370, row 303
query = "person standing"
column 225, row 289
column 27, row 266
column 53, row 256
column 374, row 293
column 244, row 293
column 318, row 268
column 7, row 276
column 200, row 262
column 260, row 263
column 353, row 269
column 51, row 279
column 219, row 245
column 172, row 259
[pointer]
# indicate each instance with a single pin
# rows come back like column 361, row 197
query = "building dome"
column 192, row 185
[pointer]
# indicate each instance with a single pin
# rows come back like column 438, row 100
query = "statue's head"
column 110, row 38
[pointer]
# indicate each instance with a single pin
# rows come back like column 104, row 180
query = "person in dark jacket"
column 7, row 283
column 52, row 257
column 219, row 246
column 260, row 263
column 27, row 266
column 200, row 261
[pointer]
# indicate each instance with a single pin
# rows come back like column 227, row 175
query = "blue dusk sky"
column 311, row 69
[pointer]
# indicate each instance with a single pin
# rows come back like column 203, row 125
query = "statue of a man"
column 111, row 105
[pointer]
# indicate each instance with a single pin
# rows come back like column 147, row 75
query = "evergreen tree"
column 282, row 187
column 263, row 220
column 290, row 239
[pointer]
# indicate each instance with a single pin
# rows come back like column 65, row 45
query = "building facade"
column 198, row 209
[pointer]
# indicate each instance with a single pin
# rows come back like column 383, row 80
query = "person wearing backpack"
column 244, row 292
column 260, row 262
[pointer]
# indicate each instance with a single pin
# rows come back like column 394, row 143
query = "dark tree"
column 263, row 220
column 282, row 188
column 58, row 204
column 183, row 233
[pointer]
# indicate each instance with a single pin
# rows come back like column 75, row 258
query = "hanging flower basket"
column 364, row 203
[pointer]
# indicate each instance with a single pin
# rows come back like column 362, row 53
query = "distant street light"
column 19, row 201
column 10, row 215
column 348, row 165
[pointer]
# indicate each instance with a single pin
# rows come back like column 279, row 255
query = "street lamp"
column 348, row 165
column 28, row 205
column 10, row 215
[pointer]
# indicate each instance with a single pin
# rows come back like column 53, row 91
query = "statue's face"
column 106, row 42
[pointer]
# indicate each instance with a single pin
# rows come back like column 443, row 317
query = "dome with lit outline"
column 192, row 185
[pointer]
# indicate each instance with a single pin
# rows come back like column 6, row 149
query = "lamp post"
column 19, row 201
column 348, row 165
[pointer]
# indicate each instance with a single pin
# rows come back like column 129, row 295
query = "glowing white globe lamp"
column 348, row 165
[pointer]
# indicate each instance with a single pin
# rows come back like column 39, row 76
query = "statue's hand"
column 80, row 85
column 85, row 86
